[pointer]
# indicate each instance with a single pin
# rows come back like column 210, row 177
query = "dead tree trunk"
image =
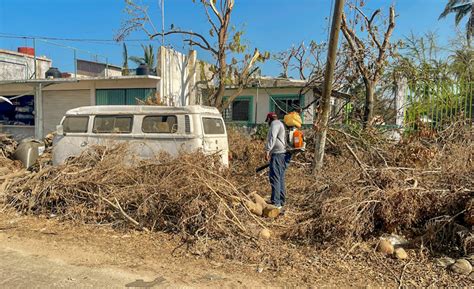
column 369, row 101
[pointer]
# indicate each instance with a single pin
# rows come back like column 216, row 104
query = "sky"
column 270, row 25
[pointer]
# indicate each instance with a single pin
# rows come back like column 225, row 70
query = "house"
column 38, row 104
column 281, row 95
column 23, row 64
column 87, row 68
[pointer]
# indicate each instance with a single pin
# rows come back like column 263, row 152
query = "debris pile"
column 7, row 145
column 188, row 195
column 7, row 148
column 370, row 187
column 421, row 188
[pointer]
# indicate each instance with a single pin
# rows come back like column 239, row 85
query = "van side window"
column 113, row 124
column 213, row 125
column 160, row 124
column 75, row 124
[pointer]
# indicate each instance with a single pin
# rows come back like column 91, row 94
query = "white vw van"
column 147, row 129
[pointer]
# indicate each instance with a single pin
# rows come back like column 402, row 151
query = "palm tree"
column 148, row 57
column 461, row 9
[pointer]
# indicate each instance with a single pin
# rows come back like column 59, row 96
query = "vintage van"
column 147, row 129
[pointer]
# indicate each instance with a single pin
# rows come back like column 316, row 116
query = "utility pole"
column 323, row 118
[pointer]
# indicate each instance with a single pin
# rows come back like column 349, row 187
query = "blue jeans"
column 278, row 165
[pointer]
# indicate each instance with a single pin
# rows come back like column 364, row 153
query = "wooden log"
column 271, row 211
column 258, row 199
column 254, row 208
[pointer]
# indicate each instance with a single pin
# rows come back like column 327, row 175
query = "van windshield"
column 75, row 124
column 113, row 124
column 213, row 125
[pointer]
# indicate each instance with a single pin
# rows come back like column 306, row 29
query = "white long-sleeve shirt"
column 276, row 141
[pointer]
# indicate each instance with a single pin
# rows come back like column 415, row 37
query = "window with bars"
column 239, row 110
column 283, row 105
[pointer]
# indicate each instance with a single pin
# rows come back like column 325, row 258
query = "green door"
column 110, row 96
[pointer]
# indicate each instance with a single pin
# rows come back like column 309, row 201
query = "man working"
column 275, row 149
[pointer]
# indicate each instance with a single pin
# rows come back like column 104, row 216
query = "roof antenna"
column 162, row 22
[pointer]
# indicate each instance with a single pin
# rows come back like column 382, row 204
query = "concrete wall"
column 18, row 132
column 95, row 69
column 15, row 66
column 178, row 76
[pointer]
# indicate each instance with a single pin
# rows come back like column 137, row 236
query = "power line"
column 16, row 36
column 72, row 48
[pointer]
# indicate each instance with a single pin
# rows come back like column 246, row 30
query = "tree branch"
column 385, row 44
column 299, row 55
column 210, row 20
column 216, row 12
column 205, row 46
column 369, row 25
column 244, row 77
column 355, row 48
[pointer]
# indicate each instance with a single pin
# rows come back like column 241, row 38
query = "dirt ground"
column 41, row 253
column 45, row 253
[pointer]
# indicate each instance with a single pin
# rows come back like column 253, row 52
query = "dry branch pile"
column 186, row 195
column 418, row 187
column 7, row 148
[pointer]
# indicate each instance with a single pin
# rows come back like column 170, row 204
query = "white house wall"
column 15, row 66
column 261, row 101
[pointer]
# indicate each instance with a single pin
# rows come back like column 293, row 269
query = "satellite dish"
column 2, row 98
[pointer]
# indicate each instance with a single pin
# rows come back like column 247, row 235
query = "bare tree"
column 218, row 13
column 301, row 60
column 306, row 60
column 369, row 55
column 284, row 58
